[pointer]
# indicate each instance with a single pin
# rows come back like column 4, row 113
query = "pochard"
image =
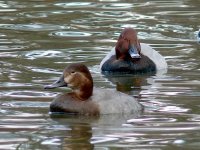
column 129, row 55
column 86, row 100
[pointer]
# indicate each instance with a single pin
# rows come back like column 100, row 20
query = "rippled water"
column 38, row 38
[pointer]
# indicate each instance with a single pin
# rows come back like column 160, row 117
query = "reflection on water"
column 39, row 38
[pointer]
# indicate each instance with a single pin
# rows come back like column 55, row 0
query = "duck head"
column 128, row 45
column 78, row 78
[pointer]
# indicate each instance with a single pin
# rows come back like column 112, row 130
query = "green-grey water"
column 38, row 38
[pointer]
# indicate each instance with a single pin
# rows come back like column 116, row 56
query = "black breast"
column 142, row 65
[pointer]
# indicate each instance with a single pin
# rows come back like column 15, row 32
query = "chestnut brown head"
column 78, row 78
column 128, row 44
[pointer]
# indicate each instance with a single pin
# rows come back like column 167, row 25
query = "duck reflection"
column 80, row 133
column 78, row 138
column 129, row 83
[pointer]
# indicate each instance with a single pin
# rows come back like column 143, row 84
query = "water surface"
column 38, row 38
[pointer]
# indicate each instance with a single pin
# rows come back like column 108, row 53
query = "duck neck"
column 84, row 92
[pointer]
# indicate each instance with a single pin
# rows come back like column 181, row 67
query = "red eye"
column 125, row 39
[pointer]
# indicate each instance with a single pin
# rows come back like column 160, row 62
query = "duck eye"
column 72, row 72
column 126, row 39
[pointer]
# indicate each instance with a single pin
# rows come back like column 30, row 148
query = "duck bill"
column 134, row 52
column 59, row 83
